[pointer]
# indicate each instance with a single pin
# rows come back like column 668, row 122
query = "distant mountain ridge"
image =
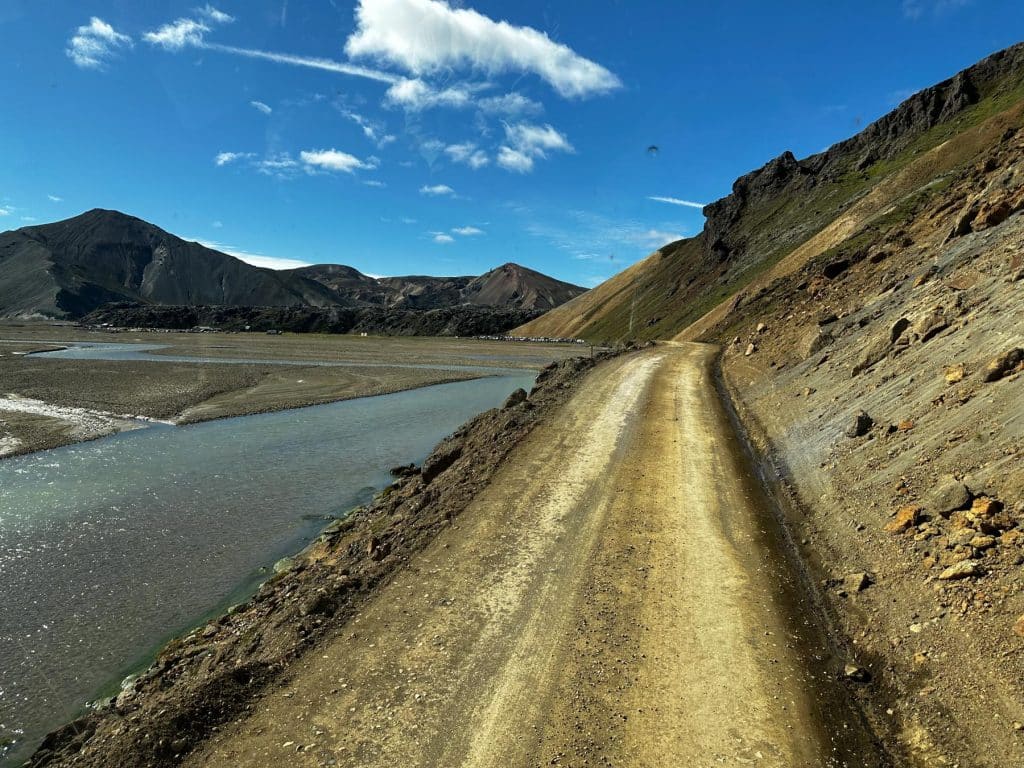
column 70, row 268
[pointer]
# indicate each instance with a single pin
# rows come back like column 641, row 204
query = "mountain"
column 70, row 268
column 509, row 285
column 785, row 213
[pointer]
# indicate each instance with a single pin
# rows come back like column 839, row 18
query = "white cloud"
column 654, row 238
column 178, row 35
column 416, row 95
column 55, row 199
column 335, row 160
column 94, row 43
column 444, row 239
column 676, row 201
column 467, row 231
column 375, row 184
column 29, row 218
column 526, row 143
column 514, row 160
column 5, row 211
column 215, row 15
column 224, row 158
column 407, row 220
column 266, row 109
column 467, row 153
column 217, row 224
column 438, row 190
column 256, row 259
column 512, row 104
column 427, row 36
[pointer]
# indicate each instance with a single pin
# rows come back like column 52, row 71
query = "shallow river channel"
column 109, row 548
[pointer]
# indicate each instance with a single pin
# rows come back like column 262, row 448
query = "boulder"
column 931, row 324
column 999, row 366
column 859, row 425
column 981, row 543
column 955, row 373
column 949, row 494
column 857, row 582
column 814, row 341
column 906, row 518
column 751, row 349
column 1018, row 627
column 965, row 569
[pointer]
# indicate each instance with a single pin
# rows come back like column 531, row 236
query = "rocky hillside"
column 784, row 213
column 70, row 268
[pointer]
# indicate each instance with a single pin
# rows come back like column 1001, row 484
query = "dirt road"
column 613, row 598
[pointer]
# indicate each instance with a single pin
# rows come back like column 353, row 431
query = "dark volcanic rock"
column 859, row 425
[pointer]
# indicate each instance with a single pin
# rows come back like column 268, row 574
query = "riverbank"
column 214, row 673
column 49, row 402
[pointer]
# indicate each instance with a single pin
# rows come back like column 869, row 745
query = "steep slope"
column 68, row 268
column 798, row 208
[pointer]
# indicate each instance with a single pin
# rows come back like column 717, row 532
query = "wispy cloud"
column 676, row 201
column 467, row 231
column 373, row 130
column 335, row 160
column 215, row 15
column 428, row 36
column 266, row 109
column 526, row 143
column 437, row 190
column 55, row 199
column 589, row 236
column 4, row 211
column 442, row 238
column 467, row 153
column 177, row 35
column 95, row 43
column 917, row 9
column 191, row 33
column 224, row 158
column 375, row 183
column 281, row 165
column 511, row 105
column 29, row 219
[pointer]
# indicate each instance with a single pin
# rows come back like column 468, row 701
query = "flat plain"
column 47, row 402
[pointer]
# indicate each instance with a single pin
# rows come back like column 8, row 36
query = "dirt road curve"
column 611, row 599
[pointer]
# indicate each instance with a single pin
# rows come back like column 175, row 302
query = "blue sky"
column 415, row 136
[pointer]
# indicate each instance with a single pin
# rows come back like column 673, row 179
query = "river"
column 109, row 548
